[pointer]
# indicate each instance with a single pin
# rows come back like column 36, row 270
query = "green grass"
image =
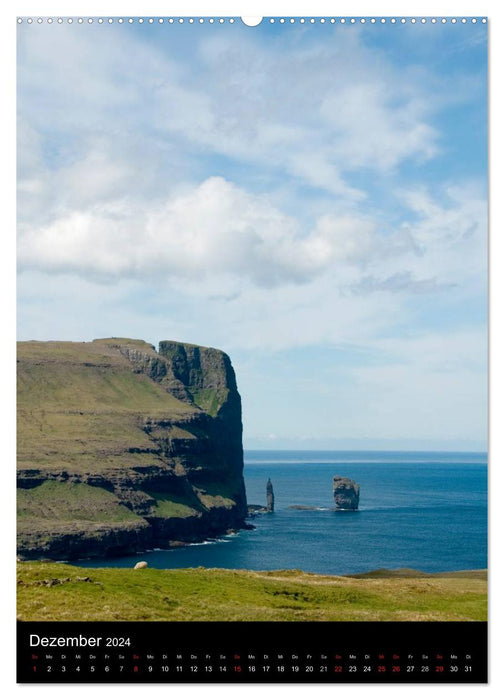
column 415, row 573
column 81, row 406
column 210, row 400
column 171, row 506
column 48, row 591
column 93, row 387
column 57, row 501
column 216, row 494
column 174, row 432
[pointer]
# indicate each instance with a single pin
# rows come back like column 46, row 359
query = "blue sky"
column 311, row 199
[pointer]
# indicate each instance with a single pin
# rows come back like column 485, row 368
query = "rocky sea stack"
column 270, row 497
column 122, row 448
column 346, row 493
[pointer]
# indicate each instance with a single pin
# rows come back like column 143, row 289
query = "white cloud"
column 310, row 111
column 116, row 189
column 378, row 125
column 215, row 228
column 215, row 257
column 450, row 231
column 232, row 97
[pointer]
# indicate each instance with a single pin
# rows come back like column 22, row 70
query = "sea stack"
column 346, row 493
column 270, row 497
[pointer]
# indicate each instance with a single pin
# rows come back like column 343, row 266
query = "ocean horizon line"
column 363, row 451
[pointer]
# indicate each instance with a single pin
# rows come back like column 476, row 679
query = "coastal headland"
column 123, row 448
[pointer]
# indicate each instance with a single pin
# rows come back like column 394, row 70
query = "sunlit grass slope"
column 48, row 591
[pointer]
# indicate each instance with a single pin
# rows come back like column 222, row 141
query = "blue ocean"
column 420, row 510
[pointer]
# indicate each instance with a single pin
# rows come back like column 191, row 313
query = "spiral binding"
column 267, row 20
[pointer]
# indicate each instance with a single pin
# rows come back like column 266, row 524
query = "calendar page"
column 252, row 357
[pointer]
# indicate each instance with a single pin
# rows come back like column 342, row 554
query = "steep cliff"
column 122, row 448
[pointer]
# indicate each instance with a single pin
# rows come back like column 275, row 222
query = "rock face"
column 122, row 448
column 270, row 497
column 346, row 493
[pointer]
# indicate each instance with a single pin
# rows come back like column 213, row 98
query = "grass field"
column 63, row 501
column 48, row 591
column 81, row 407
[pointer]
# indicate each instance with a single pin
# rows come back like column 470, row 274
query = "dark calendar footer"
column 253, row 652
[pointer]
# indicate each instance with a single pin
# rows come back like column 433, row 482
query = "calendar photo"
column 252, row 349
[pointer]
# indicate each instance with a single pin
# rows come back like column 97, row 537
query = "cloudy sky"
column 309, row 198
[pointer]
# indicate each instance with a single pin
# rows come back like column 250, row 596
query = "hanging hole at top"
column 251, row 21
